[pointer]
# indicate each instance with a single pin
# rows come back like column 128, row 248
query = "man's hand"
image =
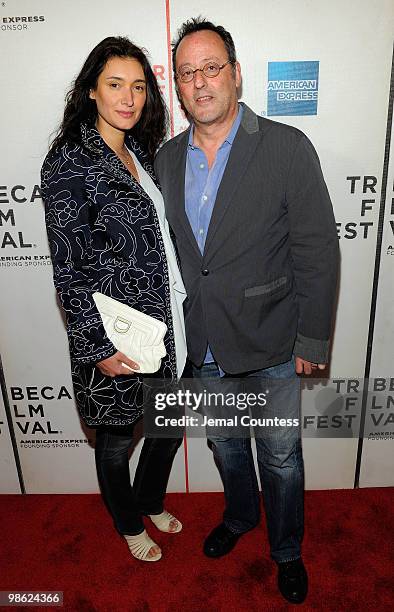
column 116, row 365
column 303, row 366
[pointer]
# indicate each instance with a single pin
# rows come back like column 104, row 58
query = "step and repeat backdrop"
column 323, row 67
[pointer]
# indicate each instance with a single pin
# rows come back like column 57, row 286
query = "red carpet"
column 67, row 543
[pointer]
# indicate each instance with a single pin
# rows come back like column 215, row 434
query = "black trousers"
column 127, row 503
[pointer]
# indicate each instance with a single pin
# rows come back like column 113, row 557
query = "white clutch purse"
column 134, row 333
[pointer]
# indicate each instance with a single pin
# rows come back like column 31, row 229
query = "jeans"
column 280, row 464
column 128, row 503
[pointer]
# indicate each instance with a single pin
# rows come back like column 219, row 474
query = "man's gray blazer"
column 265, row 286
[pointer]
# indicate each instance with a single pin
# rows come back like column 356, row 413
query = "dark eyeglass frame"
column 209, row 76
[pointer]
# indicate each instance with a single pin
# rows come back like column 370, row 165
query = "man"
column 257, row 241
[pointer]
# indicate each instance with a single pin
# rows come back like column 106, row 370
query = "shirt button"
column 205, row 272
column 201, row 231
column 205, row 198
column 202, row 166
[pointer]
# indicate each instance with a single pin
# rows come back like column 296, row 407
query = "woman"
column 107, row 233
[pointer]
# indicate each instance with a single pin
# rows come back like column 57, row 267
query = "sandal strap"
column 163, row 520
column 140, row 546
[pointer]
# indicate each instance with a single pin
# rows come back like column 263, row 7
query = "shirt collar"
column 230, row 136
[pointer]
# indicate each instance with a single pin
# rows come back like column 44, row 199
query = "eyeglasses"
column 210, row 70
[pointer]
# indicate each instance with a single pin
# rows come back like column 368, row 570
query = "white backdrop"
column 9, row 481
column 378, row 455
column 42, row 49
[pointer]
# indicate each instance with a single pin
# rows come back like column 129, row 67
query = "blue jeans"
column 281, row 468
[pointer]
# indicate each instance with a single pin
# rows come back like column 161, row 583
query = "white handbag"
column 134, row 333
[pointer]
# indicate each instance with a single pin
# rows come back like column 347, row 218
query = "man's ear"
column 238, row 77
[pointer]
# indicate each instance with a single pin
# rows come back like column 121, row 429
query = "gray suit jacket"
column 265, row 286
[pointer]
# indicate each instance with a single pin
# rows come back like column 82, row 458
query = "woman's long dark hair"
column 150, row 129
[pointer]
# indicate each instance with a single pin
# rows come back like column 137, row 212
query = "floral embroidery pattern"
column 104, row 235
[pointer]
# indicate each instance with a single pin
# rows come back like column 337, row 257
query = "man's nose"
column 199, row 79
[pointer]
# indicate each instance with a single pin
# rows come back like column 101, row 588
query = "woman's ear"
column 92, row 95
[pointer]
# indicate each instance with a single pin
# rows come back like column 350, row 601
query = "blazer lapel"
column 242, row 150
column 176, row 201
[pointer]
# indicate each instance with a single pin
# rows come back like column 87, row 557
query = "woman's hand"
column 117, row 365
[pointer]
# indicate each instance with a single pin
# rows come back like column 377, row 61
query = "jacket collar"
column 249, row 120
column 92, row 140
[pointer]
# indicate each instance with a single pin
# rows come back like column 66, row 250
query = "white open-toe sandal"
column 163, row 520
column 140, row 546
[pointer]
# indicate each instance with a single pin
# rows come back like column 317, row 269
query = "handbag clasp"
column 119, row 325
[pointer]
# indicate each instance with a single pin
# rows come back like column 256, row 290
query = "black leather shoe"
column 293, row 581
column 220, row 541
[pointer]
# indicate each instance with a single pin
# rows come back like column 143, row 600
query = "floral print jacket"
column 104, row 235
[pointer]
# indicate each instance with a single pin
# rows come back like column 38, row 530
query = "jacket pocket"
column 266, row 289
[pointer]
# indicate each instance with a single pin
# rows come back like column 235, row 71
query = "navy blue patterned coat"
column 104, row 235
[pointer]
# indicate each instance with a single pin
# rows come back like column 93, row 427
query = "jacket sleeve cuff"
column 89, row 343
column 96, row 357
column 311, row 349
